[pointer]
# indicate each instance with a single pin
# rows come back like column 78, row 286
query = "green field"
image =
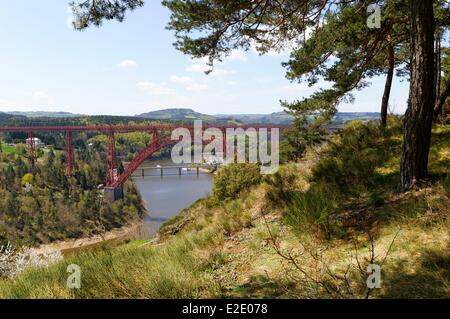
column 8, row 149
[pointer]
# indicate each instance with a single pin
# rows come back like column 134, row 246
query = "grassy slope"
column 262, row 245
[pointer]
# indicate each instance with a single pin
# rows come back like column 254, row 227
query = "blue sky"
column 130, row 68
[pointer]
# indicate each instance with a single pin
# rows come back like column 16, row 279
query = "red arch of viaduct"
column 160, row 140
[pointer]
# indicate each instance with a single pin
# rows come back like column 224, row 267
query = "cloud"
column 196, row 87
column 127, row 64
column 219, row 72
column 180, row 79
column 155, row 88
column 237, row 55
column 188, row 83
column 41, row 97
column 198, row 66
column 4, row 103
column 201, row 66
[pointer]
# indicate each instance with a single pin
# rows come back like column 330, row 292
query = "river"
column 165, row 196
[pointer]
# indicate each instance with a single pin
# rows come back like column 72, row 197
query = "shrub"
column 312, row 210
column 376, row 199
column 292, row 146
column 13, row 262
column 354, row 157
column 234, row 178
column 280, row 184
column 445, row 182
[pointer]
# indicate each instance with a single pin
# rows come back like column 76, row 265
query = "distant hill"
column 342, row 117
column 277, row 118
column 188, row 115
column 178, row 114
column 280, row 118
column 44, row 114
column 6, row 116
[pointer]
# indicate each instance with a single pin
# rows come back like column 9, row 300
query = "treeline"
column 20, row 120
column 41, row 204
column 127, row 144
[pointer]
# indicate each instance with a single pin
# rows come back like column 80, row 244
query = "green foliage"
column 312, row 210
column 345, row 52
column 93, row 12
column 349, row 168
column 446, row 184
column 169, row 271
column 7, row 149
column 58, row 140
column 21, row 150
column 292, row 146
column 281, row 184
column 59, row 207
column 206, row 28
column 234, row 178
column 126, row 143
column 376, row 199
column 353, row 159
column 234, row 218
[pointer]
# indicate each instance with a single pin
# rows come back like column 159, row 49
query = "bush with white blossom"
column 13, row 262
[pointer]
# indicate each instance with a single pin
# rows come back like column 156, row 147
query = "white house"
column 36, row 141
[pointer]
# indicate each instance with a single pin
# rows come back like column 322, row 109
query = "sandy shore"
column 131, row 231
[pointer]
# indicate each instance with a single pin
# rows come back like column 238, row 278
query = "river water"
column 165, row 196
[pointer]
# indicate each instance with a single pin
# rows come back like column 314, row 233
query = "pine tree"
column 444, row 85
column 422, row 94
column 347, row 53
column 213, row 28
column 94, row 12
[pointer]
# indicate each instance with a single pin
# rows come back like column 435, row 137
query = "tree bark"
column 388, row 84
column 437, row 61
column 422, row 94
column 439, row 107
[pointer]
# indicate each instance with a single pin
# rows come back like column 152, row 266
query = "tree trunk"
column 388, row 85
column 419, row 115
column 437, row 60
column 439, row 107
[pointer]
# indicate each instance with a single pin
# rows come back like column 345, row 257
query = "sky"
column 132, row 67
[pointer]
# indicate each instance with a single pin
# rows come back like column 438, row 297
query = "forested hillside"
column 41, row 204
column 127, row 144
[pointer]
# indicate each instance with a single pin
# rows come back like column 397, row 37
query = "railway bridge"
column 161, row 138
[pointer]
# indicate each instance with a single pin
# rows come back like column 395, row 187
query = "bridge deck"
column 186, row 170
column 180, row 166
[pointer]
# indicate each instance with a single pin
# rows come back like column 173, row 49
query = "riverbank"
column 133, row 230
column 145, row 228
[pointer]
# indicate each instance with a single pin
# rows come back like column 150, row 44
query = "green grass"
column 169, row 271
column 8, row 149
